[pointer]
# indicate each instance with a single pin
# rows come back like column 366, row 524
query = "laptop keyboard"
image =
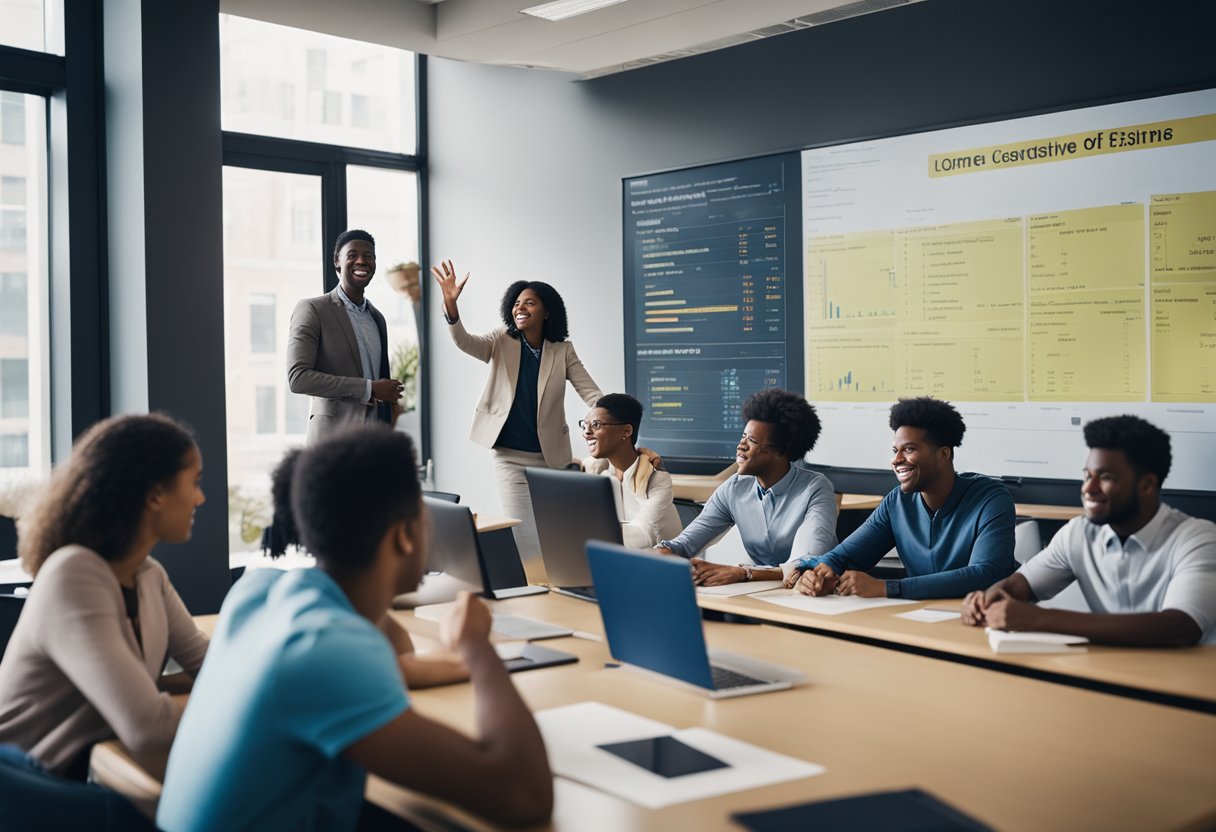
column 520, row 628
column 726, row 679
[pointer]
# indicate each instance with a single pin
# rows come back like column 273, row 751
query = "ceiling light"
column 561, row 9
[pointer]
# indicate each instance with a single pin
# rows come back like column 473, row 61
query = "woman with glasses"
column 643, row 492
column 521, row 415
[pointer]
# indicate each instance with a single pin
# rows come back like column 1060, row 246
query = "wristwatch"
column 747, row 571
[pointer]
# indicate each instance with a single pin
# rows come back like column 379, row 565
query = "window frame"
column 329, row 163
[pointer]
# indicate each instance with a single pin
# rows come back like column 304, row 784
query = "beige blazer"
column 323, row 363
column 558, row 362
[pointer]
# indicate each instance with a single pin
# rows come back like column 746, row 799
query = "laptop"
column 571, row 507
column 652, row 621
column 455, row 551
column 456, row 562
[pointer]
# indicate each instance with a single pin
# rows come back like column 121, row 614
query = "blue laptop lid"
column 650, row 612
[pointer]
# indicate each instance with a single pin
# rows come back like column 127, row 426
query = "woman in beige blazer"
column 521, row 415
column 102, row 619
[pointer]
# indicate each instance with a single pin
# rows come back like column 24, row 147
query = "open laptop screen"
column 650, row 612
column 571, row 508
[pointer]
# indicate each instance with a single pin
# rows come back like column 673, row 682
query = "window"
column 14, row 388
column 14, row 303
column 12, row 118
column 12, row 212
column 360, row 111
column 14, row 450
column 307, row 118
column 295, row 413
column 261, row 323
column 24, row 282
column 31, row 24
column 267, row 419
column 384, row 202
column 265, row 55
column 262, row 212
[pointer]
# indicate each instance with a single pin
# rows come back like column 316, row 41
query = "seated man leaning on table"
column 953, row 531
column 782, row 511
column 1147, row 571
column 642, row 491
column 301, row 694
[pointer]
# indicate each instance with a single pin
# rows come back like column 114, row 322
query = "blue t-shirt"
column 966, row 545
column 293, row 676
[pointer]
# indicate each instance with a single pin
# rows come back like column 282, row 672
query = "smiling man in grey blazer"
column 337, row 352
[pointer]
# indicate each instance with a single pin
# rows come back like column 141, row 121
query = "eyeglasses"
column 753, row 442
column 595, row 425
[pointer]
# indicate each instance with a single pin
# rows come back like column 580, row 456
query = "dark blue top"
column 966, row 545
column 519, row 431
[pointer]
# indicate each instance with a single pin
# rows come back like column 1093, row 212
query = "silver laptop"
column 457, row 562
column 571, row 508
column 651, row 619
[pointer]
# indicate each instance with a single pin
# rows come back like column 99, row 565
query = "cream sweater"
column 74, row 675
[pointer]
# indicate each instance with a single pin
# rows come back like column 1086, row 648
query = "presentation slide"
column 1038, row 272
column 711, row 318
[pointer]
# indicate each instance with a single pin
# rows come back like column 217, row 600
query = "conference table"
column 1012, row 752
column 1184, row 677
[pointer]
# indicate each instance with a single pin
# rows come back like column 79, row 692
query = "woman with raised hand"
column 102, row 619
column 521, row 415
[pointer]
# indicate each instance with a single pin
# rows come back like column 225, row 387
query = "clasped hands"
column 823, row 580
column 998, row 609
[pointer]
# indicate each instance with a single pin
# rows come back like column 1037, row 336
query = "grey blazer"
column 323, row 362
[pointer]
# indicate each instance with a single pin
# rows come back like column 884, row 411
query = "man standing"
column 337, row 352
column 1147, row 571
column 953, row 531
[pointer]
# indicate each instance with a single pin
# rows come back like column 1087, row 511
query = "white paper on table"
column 1003, row 641
column 572, row 732
column 928, row 615
column 730, row 590
column 828, row 604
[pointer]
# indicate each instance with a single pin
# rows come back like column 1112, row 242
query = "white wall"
column 502, row 217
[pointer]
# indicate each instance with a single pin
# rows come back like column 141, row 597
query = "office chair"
column 442, row 495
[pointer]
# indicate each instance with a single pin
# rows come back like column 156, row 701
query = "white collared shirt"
column 1170, row 563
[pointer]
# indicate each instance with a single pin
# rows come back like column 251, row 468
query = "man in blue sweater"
column 953, row 531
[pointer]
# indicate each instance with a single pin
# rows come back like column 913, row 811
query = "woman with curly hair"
column 85, row 661
column 521, row 415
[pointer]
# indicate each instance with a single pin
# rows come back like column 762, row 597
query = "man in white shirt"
column 1147, row 571
column 643, row 492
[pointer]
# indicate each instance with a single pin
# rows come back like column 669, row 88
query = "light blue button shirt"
column 796, row 519
column 367, row 335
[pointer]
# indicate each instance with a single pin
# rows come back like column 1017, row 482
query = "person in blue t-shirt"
column 953, row 531
column 301, row 695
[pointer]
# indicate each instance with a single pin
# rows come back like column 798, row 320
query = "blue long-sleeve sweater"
column 966, row 545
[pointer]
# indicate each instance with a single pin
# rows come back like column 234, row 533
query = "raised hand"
column 445, row 276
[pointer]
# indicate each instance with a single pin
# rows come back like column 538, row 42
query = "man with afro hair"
column 1147, row 571
column 782, row 511
column 953, row 531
